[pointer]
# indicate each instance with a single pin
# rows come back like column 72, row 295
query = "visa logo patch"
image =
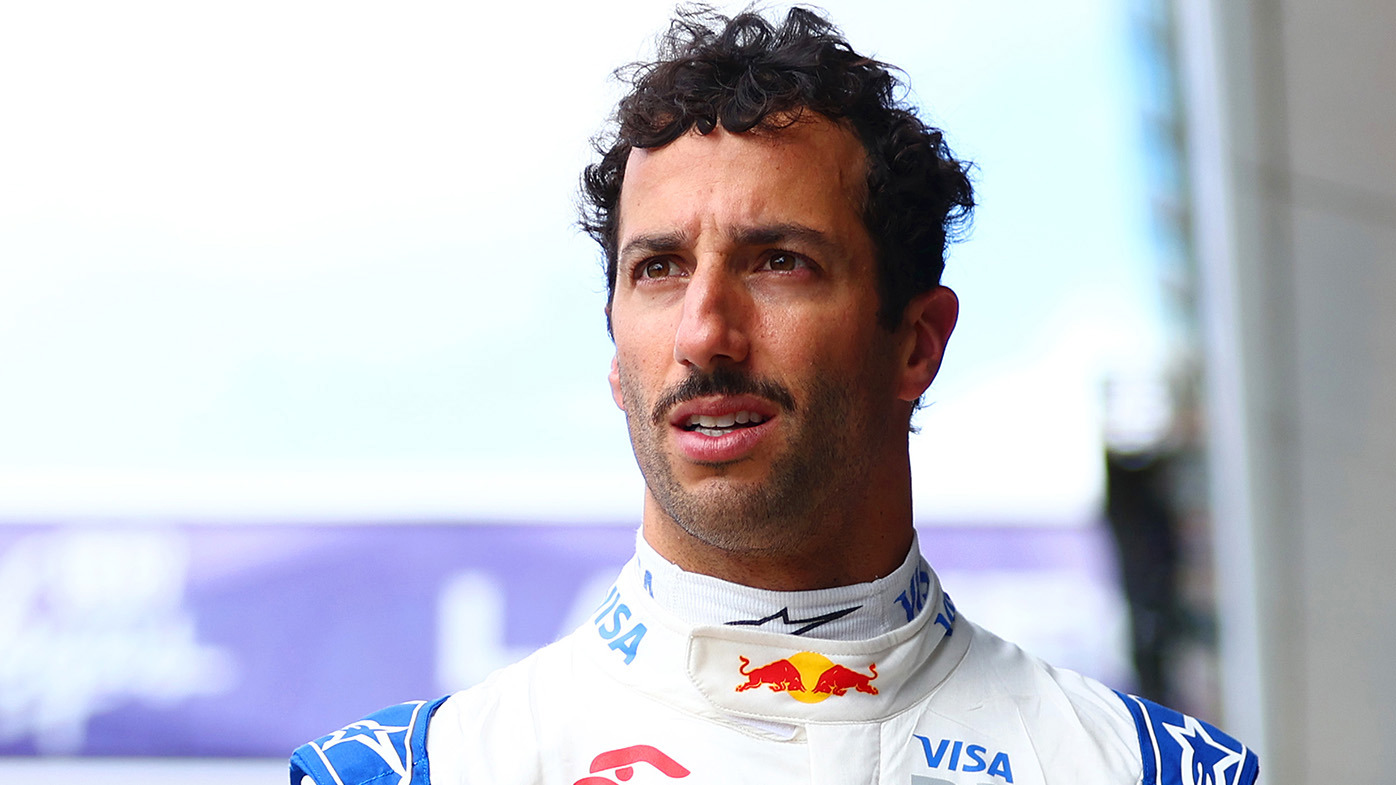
column 955, row 755
column 612, row 624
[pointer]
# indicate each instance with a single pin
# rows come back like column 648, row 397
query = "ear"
column 615, row 383
column 926, row 326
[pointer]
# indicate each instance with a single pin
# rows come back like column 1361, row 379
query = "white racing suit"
column 637, row 696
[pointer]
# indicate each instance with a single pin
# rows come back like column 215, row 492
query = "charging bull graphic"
column 807, row 677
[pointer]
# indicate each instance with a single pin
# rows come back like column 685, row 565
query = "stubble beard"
column 826, row 458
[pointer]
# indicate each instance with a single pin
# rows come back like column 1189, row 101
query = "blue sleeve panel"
column 1182, row 750
column 388, row 747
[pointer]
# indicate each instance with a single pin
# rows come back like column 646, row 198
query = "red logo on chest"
column 623, row 762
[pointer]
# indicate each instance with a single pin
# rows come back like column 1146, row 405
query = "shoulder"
column 394, row 745
column 1072, row 719
column 507, row 707
column 1176, row 748
column 388, row 746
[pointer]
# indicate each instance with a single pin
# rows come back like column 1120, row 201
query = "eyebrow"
column 765, row 234
column 663, row 242
column 779, row 233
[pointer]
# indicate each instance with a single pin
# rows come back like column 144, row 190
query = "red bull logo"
column 807, row 677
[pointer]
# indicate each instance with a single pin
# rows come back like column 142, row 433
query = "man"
column 774, row 225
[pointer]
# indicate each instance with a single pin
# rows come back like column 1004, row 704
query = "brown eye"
column 783, row 262
column 657, row 269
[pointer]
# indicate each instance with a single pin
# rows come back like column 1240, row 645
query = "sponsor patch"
column 807, row 677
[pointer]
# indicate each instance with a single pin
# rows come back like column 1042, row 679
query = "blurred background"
column 303, row 407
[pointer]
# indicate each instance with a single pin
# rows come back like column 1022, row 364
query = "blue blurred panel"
column 236, row 640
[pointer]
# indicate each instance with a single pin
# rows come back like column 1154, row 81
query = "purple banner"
column 236, row 640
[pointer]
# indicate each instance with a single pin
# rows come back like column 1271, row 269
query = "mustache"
column 722, row 381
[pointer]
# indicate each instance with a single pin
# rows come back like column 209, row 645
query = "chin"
column 740, row 516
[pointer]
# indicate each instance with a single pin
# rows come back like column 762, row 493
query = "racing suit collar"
column 753, row 678
column 847, row 613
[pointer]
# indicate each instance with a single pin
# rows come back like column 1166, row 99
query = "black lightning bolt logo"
column 784, row 615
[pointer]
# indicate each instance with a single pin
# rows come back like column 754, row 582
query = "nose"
column 712, row 329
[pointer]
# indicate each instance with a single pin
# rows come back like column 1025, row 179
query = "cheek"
column 641, row 335
column 635, row 384
column 832, row 341
column 635, row 369
column 644, row 348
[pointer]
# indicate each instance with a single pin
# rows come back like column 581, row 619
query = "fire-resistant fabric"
column 638, row 696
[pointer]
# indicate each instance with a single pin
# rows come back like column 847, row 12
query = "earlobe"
column 614, row 377
column 926, row 325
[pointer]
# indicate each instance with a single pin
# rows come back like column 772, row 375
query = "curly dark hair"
column 746, row 73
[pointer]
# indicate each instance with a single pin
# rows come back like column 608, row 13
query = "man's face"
column 759, row 389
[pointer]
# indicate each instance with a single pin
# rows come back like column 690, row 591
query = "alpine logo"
column 376, row 737
column 801, row 626
column 1183, row 750
column 1202, row 759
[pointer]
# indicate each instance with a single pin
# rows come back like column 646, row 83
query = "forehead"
column 811, row 173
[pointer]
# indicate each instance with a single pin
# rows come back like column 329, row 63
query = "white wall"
column 1294, row 159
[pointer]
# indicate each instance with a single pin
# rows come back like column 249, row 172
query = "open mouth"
column 722, row 424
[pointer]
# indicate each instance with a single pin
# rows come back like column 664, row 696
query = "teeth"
column 707, row 423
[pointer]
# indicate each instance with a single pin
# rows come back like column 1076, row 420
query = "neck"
column 860, row 543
